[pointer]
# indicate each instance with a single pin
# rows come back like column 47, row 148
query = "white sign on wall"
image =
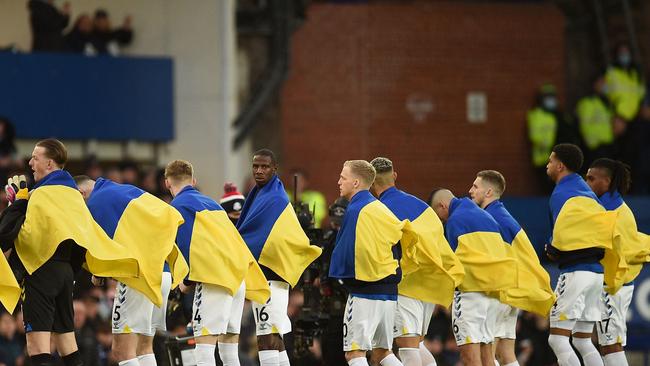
column 476, row 107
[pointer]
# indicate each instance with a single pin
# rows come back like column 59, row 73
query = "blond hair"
column 179, row 171
column 362, row 170
column 55, row 150
column 495, row 179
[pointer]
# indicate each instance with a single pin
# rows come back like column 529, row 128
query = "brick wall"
column 353, row 67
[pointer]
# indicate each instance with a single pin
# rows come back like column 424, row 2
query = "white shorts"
column 216, row 311
column 272, row 318
column 472, row 318
column 412, row 317
column 368, row 324
column 135, row 313
column 506, row 321
column 612, row 329
column 578, row 298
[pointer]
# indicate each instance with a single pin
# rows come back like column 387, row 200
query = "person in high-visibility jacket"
column 595, row 117
column 625, row 85
column 546, row 128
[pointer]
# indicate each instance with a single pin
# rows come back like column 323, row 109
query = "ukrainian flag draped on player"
column 364, row 243
column 582, row 222
column 437, row 263
column 9, row 288
column 56, row 212
column 534, row 292
column 215, row 251
column 270, row 228
column 147, row 226
column 635, row 245
column 477, row 242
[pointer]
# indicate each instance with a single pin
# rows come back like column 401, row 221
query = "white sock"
column 516, row 363
column 204, row 354
column 589, row 353
column 390, row 360
column 147, row 360
column 229, row 354
column 269, row 358
column 563, row 351
column 410, row 356
column 426, row 356
column 358, row 361
column 131, row 362
column 283, row 357
column 615, row 359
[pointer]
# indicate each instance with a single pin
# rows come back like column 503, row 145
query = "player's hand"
column 98, row 281
column 186, row 289
column 16, row 188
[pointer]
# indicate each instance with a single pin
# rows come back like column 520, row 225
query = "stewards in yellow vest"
column 547, row 127
column 595, row 117
column 625, row 86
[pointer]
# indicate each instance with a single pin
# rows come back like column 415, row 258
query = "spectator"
column 130, row 173
column 11, row 349
column 7, row 147
column 625, row 87
column 80, row 38
column 47, row 24
column 115, row 174
column 595, row 117
column 547, row 127
column 641, row 172
column 85, row 335
column 232, row 201
column 105, row 339
column 150, row 181
column 106, row 40
column 92, row 168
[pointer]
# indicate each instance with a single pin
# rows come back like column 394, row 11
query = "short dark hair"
column 81, row 179
column 494, row 178
column 433, row 193
column 570, row 155
column 382, row 165
column 618, row 172
column 55, row 150
column 266, row 152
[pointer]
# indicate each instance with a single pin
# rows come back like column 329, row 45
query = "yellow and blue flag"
column 270, row 228
column 147, row 226
column 581, row 222
column 475, row 238
column 57, row 212
column 364, row 244
column 437, row 263
column 534, row 293
column 9, row 288
column 634, row 244
column 215, row 251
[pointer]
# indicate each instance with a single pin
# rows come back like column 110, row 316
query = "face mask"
column 604, row 89
column 550, row 103
column 624, row 59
